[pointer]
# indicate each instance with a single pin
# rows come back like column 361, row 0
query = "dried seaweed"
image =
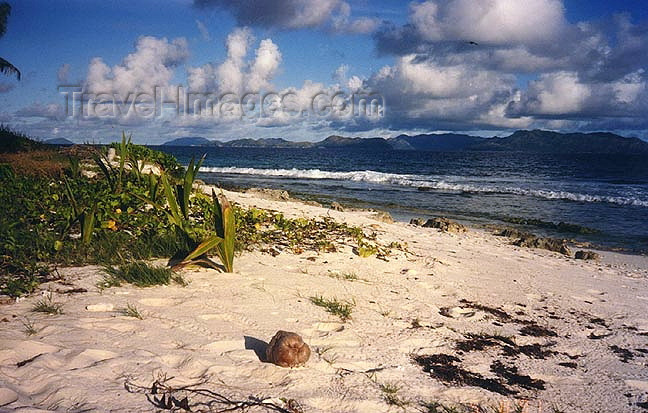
column 194, row 398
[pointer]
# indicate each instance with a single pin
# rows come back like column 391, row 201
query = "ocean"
column 600, row 199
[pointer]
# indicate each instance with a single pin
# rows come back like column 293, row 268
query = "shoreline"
column 471, row 223
column 468, row 296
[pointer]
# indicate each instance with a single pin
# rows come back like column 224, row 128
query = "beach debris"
column 96, row 308
column 287, row 349
column 194, row 397
column 441, row 223
column 587, row 255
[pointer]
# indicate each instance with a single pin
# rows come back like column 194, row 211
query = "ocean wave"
column 423, row 182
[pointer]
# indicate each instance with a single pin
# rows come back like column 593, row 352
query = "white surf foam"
column 425, row 182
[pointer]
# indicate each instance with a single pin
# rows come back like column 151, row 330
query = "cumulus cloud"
column 63, row 73
column 490, row 21
column 583, row 71
column 235, row 74
column 564, row 95
column 151, row 65
column 294, row 14
column 429, row 93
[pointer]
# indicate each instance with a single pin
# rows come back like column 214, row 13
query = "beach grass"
column 48, row 306
column 342, row 309
column 140, row 274
column 30, row 329
column 131, row 311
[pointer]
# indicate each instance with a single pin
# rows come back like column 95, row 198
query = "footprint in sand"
column 7, row 396
column 225, row 346
column 89, row 358
column 17, row 351
column 329, row 327
column 158, row 302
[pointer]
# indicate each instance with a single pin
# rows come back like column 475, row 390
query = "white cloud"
column 557, row 94
column 235, row 74
column 151, row 65
column 490, row 21
column 343, row 23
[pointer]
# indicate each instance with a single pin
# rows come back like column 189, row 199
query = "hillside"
column 538, row 141
column 535, row 141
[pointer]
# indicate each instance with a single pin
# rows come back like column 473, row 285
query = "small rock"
column 550, row 244
column 271, row 194
column 383, row 216
column 417, row 221
column 445, row 225
column 587, row 255
column 337, row 207
column 5, row 299
column 7, row 396
column 100, row 307
column 287, row 349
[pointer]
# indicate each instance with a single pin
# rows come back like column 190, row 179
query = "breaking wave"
column 424, row 183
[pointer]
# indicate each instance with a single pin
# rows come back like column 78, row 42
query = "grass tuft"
column 30, row 329
column 333, row 306
column 140, row 274
column 131, row 311
column 48, row 306
column 346, row 276
column 390, row 395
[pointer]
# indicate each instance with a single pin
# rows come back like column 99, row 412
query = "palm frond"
column 8, row 69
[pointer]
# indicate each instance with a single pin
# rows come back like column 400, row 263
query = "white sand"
column 80, row 360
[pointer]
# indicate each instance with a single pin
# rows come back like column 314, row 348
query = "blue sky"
column 484, row 67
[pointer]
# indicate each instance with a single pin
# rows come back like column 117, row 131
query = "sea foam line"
column 424, row 182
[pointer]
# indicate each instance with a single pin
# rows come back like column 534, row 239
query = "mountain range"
column 534, row 141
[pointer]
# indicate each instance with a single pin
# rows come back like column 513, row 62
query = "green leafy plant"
column 85, row 215
column 177, row 210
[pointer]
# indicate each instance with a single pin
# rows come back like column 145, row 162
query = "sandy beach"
column 456, row 319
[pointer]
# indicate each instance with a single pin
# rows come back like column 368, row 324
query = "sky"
column 307, row 69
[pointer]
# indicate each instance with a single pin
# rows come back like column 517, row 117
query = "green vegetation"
column 30, row 329
column 48, row 306
column 341, row 309
column 140, row 274
column 12, row 141
column 131, row 311
column 346, row 276
column 74, row 206
column 390, row 395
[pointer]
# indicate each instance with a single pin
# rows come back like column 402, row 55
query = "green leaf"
column 204, row 247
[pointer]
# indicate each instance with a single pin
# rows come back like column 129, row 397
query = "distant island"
column 530, row 141
column 58, row 141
